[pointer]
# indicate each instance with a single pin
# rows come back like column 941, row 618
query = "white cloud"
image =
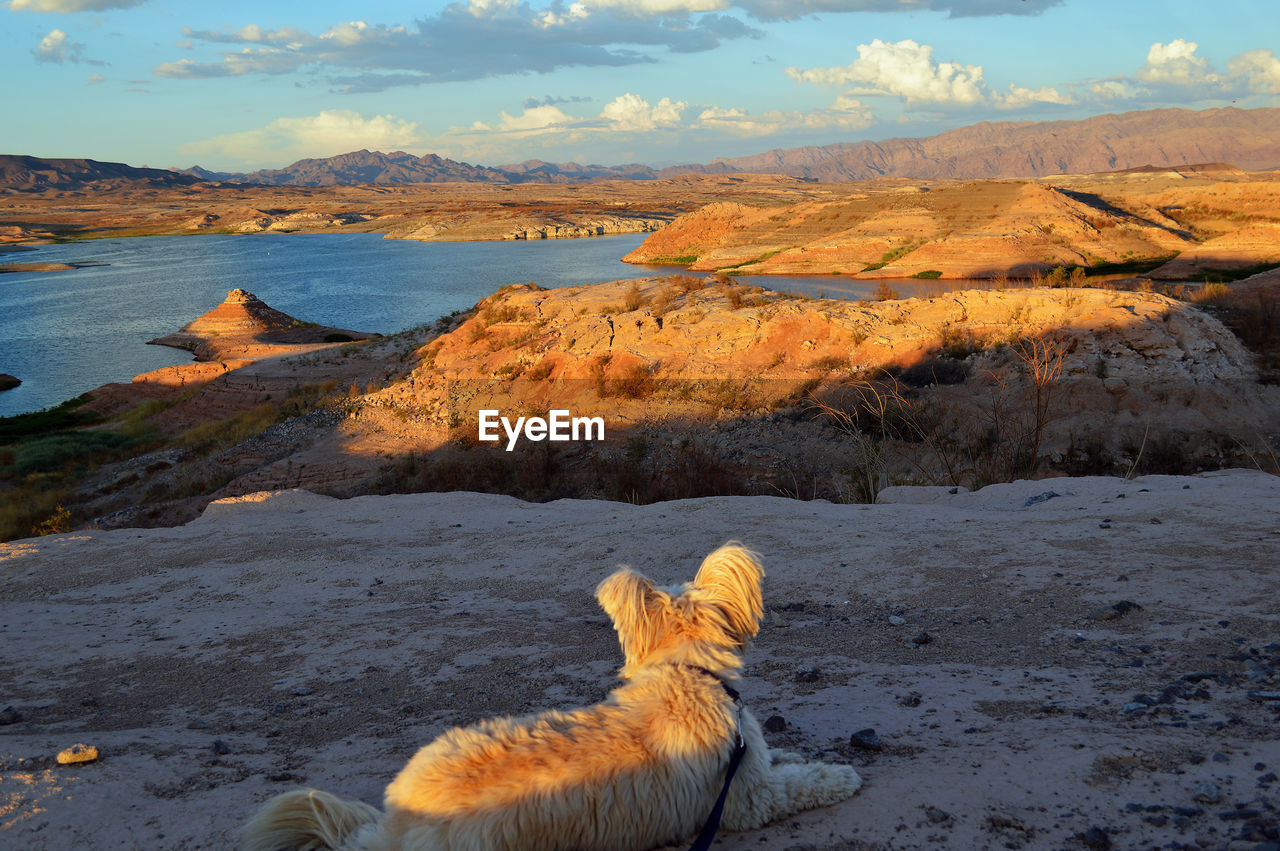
column 904, row 69
column 57, row 47
column 64, row 6
column 632, row 112
column 1177, row 63
column 1117, row 90
column 95, row 79
column 846, row 113
column 1020, row 97
column 331, row 132
column 1257, row 70
column 534, row 119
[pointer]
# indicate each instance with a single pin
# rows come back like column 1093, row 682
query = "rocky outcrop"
column 244, row 323
column 601, row 226
column 968, row 230
column 8, row 382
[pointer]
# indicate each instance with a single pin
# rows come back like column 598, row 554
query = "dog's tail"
column 305, row 820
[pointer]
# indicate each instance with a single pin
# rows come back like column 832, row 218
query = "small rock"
column 9, row 715
column 1115, row 610
column 1219, row 756
column 1135, row 707
column 1267, row 779
column 77, row 754
column 809, row 675
column 923, row 638
column 1095, row 837
column 220, row 747
column 1208, row 793
column 303, row 691
column 775, row 724
column 1188, row 812
column 910, row 700
column 936, row 815
column 866, row 739
column 197, row 725
column 1156, row 521
column 897, row 620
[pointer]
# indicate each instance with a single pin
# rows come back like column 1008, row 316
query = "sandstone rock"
column 77, row 754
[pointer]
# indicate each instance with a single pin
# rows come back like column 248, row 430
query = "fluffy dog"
column 641, row 770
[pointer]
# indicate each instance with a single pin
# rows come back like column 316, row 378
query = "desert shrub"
column 55, row 451
column 928, row 275
column 884, row 292
column 59, row 417
column 829, row 363
column 689, row 283
column 634, row 299
column 25, row 508
column 939, row 370
column 541, row 371
column 1217, row 294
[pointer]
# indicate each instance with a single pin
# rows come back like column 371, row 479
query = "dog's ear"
column 730, row 578
column 627, row 598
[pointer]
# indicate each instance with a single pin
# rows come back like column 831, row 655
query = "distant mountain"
column 1159, row 138
column 32, row 174
column 1248, row 138
column 364, row 167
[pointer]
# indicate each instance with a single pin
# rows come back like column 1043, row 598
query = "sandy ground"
column 1019, row 699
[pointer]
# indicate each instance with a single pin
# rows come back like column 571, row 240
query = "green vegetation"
column 42, row 422
column 1135, row 266
column 678, row 260
column 892, row 255
column 928, row 275
column 1221, row 276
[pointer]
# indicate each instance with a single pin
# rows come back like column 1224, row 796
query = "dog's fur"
column 639, row 771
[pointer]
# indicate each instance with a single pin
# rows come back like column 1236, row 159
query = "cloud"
column 1020, row 97
column 904, row 69
column 1257, row 70
column 771, row 10
column 331, row 132
column 548, row 100
column 57, row 47
column 632, row 112
column 1117, row 90
column 464, row 41
column 64, row 6
column 95, row 79
column 846, row 113
column 1176, row 63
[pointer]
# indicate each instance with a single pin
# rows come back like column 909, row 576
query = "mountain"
column 32, row 174
column 1248, row 138
column 365, row 167
column 1159, row 138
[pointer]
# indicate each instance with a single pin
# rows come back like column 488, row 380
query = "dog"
column 639, row 771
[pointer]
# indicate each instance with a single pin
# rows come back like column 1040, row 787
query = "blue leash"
column 708, row 833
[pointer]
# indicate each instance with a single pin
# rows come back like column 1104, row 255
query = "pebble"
column 220, row 747
column 9, row 715
column 809, row 675
column 866, row 739
column 77, row 754
column 1115, row 610
column 1208, row 793
column 923, row 638
column 936, row 815
column 897, row 620
column 775, row 724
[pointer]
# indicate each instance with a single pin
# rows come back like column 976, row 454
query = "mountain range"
column 1248, row 138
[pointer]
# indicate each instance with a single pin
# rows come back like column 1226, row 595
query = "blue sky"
column 239, row 85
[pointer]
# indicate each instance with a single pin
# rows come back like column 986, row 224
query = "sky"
column 238, row 86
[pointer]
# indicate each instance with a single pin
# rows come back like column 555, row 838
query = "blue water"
column 64, row 333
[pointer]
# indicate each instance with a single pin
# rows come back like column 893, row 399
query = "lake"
column 64, row 333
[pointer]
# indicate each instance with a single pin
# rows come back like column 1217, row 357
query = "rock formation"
column 243, row 325
column 8, row 382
